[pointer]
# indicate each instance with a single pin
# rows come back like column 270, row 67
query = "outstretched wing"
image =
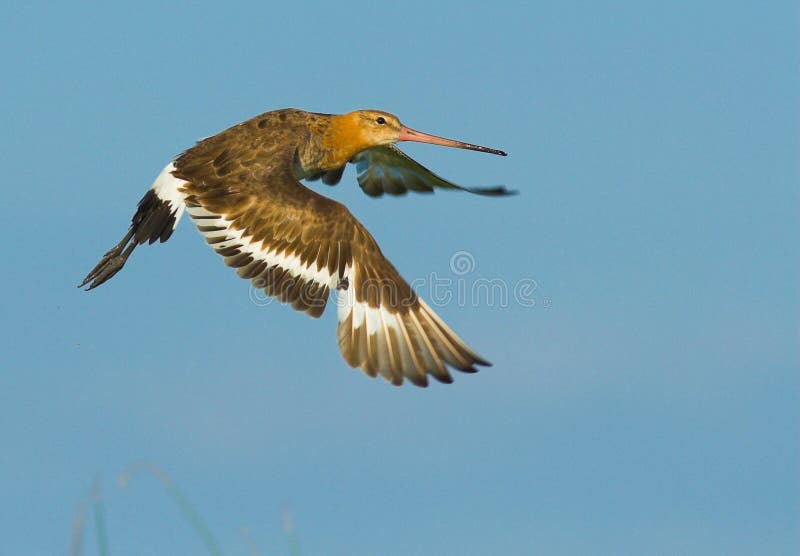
column 387, row 169
column 298, row 246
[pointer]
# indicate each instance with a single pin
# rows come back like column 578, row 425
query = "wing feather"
column 387, row 169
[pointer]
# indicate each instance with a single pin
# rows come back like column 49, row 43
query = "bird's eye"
column 380, row 120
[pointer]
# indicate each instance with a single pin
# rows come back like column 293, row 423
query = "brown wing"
column 387, row 169
column 298, row 245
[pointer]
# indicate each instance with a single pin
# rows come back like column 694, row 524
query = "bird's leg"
column 111, row 263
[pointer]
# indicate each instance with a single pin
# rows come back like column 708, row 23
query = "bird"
column 243, row 190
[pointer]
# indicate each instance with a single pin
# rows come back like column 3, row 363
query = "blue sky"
column 647, row 403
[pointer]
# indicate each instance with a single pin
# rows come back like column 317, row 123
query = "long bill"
column 408, row 134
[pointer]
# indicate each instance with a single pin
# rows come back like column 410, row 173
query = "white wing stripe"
column 233, row 237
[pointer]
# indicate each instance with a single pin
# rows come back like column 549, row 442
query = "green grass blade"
column 99, row 516
column 191, row 515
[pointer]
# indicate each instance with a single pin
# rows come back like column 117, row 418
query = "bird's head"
column 356, row 131
column 362, row 129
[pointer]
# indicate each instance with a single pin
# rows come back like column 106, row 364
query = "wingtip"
column 493, row 191
column 472, row 369
column 503, row 191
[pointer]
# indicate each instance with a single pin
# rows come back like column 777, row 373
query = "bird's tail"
column 156, row 217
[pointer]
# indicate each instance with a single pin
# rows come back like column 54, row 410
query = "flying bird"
column 242, row 189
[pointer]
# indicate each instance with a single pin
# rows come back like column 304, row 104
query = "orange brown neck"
column 343, row 139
